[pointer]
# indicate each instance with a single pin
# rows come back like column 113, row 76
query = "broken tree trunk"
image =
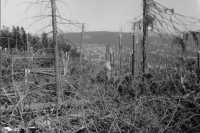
column 134, row 58
column 107, row 58
column 145, row 35
column 120, row 52
column 81, row 45
column 56, row 54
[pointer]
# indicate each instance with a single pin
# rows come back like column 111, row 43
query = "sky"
column 98, row 15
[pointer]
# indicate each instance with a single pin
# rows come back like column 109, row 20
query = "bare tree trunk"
column 81, row 45
column 56, row 54
column 107, row 52
column 145, row 35
column 120, row 52
column 134, row 57
column 0, row 59
column 107, row 59
column 130, row 62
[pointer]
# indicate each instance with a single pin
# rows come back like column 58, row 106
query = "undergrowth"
column 163, row 101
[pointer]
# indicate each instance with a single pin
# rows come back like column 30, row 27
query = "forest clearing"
column 145, row 81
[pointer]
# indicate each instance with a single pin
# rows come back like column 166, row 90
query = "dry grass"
column 91, row 104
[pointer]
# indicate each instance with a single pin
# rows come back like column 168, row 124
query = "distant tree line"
column 16, row 39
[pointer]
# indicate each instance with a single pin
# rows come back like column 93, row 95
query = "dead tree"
column 120, row 52
column 56, row 54
column 134, row 58
column 81, row 45
column 0, row 54
column 145, row 35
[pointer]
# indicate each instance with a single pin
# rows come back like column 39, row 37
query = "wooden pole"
column 145, row 35
column 56, row 54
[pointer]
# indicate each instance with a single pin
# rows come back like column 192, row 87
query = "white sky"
column 99, row 15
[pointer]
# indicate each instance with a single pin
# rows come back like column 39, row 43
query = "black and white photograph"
column 100, row 66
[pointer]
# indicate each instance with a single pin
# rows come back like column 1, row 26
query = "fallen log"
column 32, row 106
